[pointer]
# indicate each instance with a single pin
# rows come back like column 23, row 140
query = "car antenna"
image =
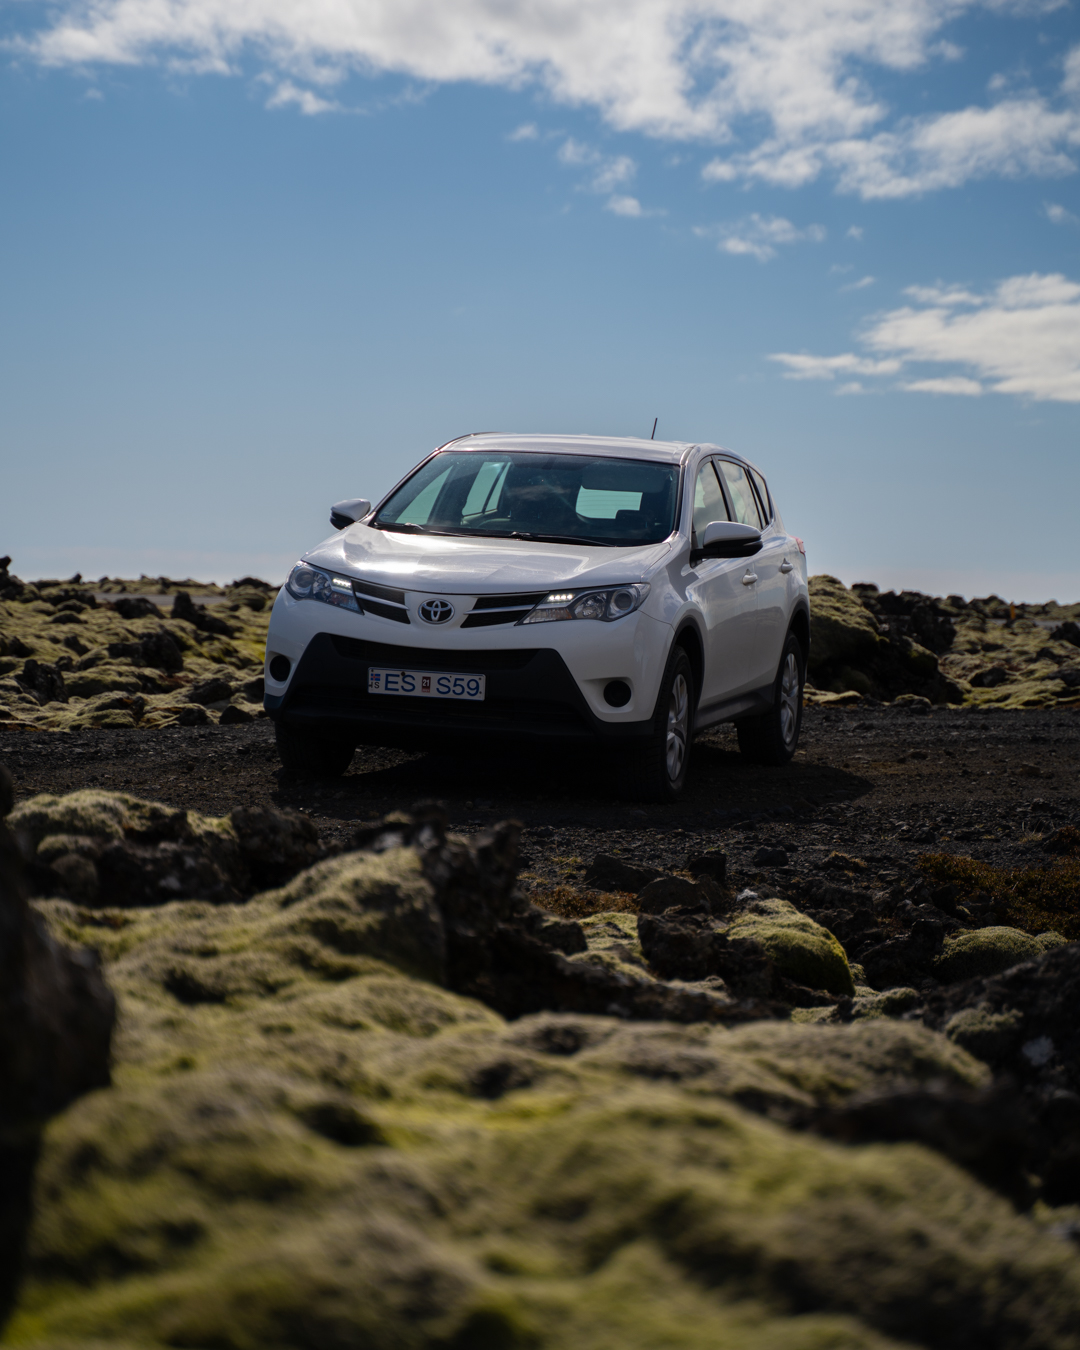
column 654, row 422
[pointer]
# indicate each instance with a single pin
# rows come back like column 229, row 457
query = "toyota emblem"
column 436, row 611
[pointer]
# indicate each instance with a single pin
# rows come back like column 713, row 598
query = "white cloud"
column 1021, row 338
column 1012, row 139
column 1071, row 84
column 759, row 236
column 612, row 174
column 288, row 95
column 1058, row 214
column 787, row 84
column 859, row 285
column 803, row 367
column 855, row 232
column 950, row 384
column 605, row 173
column 526, row 132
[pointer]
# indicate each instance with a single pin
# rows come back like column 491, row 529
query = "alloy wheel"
column 677, row 719
column 789, row 699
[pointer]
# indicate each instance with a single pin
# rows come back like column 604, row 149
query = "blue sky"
column 257, row 258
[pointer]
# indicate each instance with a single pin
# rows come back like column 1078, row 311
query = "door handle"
column 749, row 579
column 786, row 567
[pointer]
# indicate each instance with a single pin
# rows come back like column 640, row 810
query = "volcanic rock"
column 198, row 615
column 606, row 873
column 56, row 1020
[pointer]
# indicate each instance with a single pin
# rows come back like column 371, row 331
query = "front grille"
column 380, row 592
column 491, row 610
column 508, row 601
column 493, row 617
column 388, row 603
column 389, row 654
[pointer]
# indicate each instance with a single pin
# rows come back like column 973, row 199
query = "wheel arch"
column 689, row 639
column 800, row 626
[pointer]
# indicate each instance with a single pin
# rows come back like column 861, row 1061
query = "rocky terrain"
column 158, row 652
column 793, row 1064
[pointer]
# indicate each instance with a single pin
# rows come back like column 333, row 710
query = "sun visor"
column 620, row 476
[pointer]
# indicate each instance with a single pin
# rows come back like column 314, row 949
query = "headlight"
column 604, row 605
column 312, row 583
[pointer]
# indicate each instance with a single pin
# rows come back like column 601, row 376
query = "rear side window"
column 743, row 500
column 709, row 504
column 763, row 495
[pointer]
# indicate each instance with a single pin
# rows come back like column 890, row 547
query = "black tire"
column 773, row 737
column 658, row 764
column 309, row 755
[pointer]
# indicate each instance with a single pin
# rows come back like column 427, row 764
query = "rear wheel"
column 310, row 755
column 772, row 737
column 659, row 763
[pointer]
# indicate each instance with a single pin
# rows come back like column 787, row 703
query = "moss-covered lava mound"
column 313, row 1143
column 119, row 654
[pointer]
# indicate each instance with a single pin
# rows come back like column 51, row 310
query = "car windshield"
column 562, row 498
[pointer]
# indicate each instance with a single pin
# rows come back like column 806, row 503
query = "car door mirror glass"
column 730, row 539
column 348, row 512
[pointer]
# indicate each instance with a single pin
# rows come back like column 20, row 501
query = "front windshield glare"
column 586, row 497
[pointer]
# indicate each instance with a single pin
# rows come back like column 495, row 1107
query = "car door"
column 728, row 607
column 750, row 505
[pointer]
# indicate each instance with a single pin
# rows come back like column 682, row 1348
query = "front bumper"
column 530, row 695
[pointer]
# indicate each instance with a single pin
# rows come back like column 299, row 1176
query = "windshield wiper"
column 557, row 538
column 406, row 527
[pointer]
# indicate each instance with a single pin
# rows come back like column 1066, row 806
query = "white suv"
column 626, row 593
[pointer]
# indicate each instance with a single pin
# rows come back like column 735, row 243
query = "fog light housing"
column 617, row 693
column 280, row 666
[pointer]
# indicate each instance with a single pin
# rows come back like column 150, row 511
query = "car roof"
column 667, row 452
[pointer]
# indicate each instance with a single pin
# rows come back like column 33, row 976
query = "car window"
column 507, row 493
column 763, row 495
column 743, row 500
column 486, row 486
column 709, row 504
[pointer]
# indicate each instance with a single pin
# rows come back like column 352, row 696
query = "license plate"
column 425, row 683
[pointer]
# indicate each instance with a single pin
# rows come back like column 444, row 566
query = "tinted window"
column 763, row 495
column 709, row 504
column 618, row 501
column 743, row 500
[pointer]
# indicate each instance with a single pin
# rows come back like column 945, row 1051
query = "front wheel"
column 310, row 755
column 659, row 764
column 772, row 737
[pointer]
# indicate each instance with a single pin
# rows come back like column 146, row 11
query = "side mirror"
column 729, row 539
column 348, row 512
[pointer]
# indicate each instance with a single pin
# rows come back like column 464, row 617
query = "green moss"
column 801, row 949
column 99, row 815
column 1034, row 899
column 613, row 942
column 988, row 951
column 841, row 628
column 336, row 1152
column 888, row 1003
column 988, row 1035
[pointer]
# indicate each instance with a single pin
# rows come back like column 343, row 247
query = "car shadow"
column 480, row 787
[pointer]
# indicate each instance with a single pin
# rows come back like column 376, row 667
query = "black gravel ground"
column 884, row 784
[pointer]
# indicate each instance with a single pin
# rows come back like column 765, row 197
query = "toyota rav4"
column 627, row 593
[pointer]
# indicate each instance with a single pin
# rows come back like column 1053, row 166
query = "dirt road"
column 885, row 784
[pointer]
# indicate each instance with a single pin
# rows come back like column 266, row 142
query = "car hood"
column 468, row 566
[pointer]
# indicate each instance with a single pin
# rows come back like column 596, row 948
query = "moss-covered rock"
column 801, row 949
column 988, row 951
column 312, row 1144
column 986, row 1034
column 612, row 939
column 842, row 630
column 131, row 646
